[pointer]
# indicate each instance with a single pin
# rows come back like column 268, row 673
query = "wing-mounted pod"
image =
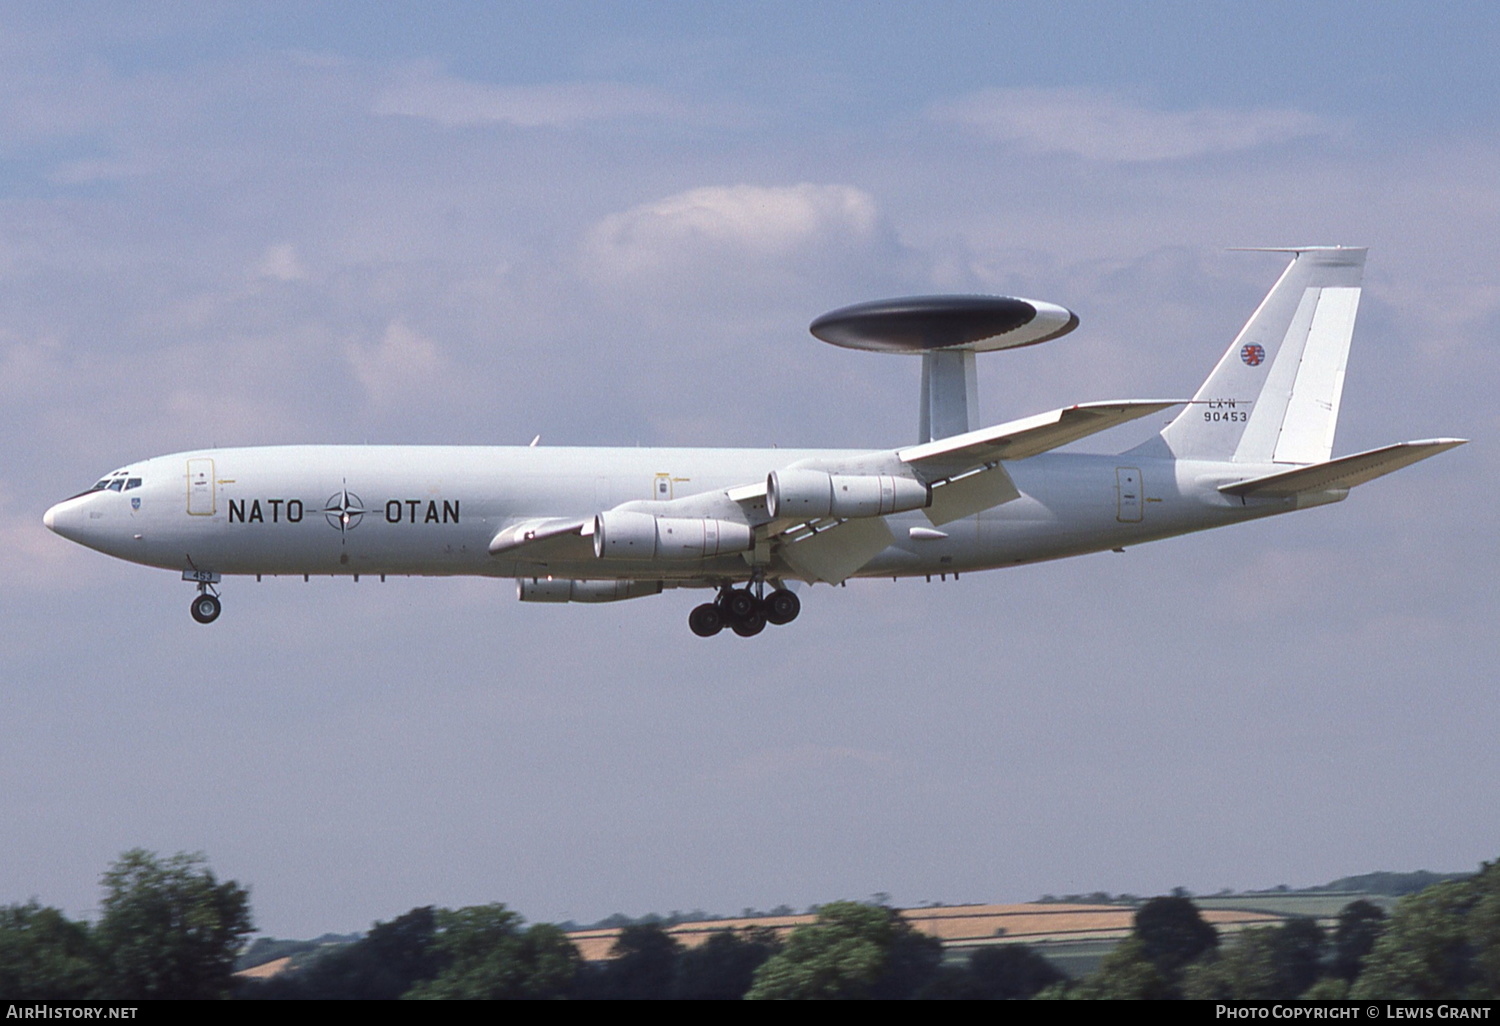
column 946, row 331
column 808, row 494
column 624, row 534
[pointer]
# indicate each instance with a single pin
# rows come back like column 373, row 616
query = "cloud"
column 452, row 102
column 1107, row 127
column 761, row 223
column 30, row 556
column 280, row 263
column 403, row 362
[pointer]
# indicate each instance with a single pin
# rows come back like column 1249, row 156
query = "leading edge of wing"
column 1344, row 472
column 1029, row 436
column 529, row 532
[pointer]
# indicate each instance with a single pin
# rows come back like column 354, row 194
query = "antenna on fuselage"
column 946, row 331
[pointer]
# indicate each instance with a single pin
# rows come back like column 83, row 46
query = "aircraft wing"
column 949, row 457
column 964, row 472
column 1344, row 472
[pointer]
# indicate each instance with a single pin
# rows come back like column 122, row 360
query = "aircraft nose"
column 65, row 518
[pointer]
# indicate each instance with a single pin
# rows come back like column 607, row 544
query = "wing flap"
column 1344, row 472
column 1018, row 439
column 966, row 496
column 834, row 553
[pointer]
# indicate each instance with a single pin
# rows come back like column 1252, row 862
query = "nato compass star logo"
column 344, row 511
column 1253, row 354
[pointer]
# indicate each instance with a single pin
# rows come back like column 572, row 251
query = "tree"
column 642, row 965
column 1260, row 965
column 1246, row 971
column 1359, row 927
column 381, row 966
column 1442, row 943
column 723, row 967
column 1005, row 972
column 1010, row 972
column 1167, row 936
column 1172, row 933
column 1297, row 954
column 852, row 951
column 1125, row 974
column 1423, row 953
column 45, row 956
column 489, row 957
column 169, row 928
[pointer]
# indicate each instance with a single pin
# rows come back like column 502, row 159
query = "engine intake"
column 813, row 493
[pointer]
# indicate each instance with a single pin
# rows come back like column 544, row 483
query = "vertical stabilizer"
column 1274, row 396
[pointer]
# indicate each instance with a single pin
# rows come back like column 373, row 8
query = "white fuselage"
column 434, row 510
column 600, row 525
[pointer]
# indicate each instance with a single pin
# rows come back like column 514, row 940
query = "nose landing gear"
column 206, row 606
column 746, row 611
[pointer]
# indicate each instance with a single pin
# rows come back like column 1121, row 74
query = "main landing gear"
column 744, row 611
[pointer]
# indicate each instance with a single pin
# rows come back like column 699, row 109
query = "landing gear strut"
column 746, row 611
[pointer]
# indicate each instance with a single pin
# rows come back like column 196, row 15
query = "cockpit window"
column 115, row 482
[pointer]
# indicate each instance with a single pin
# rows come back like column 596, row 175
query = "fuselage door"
column 1129, row 502
column 661, row 489
column 200, row 487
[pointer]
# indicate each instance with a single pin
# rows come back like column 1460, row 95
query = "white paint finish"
column 1313, row 408
column 1240, row 410
column 970, row 495
column 1003, row 493
column 950, row 394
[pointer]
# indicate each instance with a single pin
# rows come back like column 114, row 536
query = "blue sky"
column 611, row 224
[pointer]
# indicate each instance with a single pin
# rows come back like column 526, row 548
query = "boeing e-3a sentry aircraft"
column 598, row 525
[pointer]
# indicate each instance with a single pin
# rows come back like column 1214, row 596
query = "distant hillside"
column 1316, row 902
column 1392, row 884
column 269, row 949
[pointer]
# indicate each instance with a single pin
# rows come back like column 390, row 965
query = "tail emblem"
column 1253, row 354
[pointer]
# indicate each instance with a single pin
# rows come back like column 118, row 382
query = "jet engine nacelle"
column 813, row 493
column 629, row 535
column 549, row 589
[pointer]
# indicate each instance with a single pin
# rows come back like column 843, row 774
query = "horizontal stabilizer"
column 1344, row 472
column 949, row 457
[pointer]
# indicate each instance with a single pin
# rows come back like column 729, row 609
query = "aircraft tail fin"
column 1274, row 395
